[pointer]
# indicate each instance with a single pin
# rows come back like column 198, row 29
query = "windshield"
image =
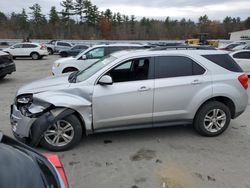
column 87, row 73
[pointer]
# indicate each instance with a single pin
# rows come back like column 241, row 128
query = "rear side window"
column 63, row 44
column 176, row 66
column 225, row 61
column 29, row 46
column 242, row 55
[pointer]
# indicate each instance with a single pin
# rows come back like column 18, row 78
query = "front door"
column 129, row 100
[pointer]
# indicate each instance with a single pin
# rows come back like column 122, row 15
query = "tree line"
column 80, row 19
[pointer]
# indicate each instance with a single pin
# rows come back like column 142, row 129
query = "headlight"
column 24, row 99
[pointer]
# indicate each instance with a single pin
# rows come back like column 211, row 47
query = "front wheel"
column 212, row 119
column 63, row 135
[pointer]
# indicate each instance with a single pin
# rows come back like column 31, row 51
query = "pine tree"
column 53, row 16
column 36, row 15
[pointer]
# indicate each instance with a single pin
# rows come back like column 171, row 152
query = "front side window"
column 18, row 46
column 96, row 53
column 132, row 70
column 176, row 66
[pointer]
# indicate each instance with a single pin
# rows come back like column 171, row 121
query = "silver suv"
column 130, row 90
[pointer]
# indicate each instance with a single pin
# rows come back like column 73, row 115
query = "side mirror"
column 84, row 57
column 106, row 80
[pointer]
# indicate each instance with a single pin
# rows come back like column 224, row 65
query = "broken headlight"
column 24, row 99
column 31, row 107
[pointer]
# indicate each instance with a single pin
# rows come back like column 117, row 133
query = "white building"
column 240, row 35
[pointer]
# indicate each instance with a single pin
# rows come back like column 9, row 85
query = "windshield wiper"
column 73, row 76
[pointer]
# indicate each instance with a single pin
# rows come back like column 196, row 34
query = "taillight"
column 42, row 47
column 54, row 159
column 243, row 80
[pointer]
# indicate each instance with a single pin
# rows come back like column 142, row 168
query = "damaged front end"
column 31, row 117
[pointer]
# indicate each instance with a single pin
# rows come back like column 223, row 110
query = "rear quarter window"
column 225, row 61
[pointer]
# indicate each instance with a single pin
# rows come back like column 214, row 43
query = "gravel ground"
column 171, row 157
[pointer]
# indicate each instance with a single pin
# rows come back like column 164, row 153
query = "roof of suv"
column 117, row 44
column 129, row 53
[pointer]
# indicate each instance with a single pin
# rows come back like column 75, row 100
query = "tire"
column 208, row 124
column 35, row 56
column 75, row 132
column 3, row 76
column 64, row 54
column 69, row 69
column 51, row 52
column 14, row 57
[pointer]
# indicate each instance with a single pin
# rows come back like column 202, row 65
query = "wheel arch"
column 223, row 99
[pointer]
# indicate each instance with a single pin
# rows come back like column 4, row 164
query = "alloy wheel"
column 215, row 120
column 60, row 134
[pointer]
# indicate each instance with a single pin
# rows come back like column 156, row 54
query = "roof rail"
column 184, row 47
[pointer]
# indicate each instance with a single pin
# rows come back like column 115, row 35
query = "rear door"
column 178, row 81
column 28, row 48
column 128, row 102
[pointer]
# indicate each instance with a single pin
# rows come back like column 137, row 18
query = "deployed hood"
column 50, row 83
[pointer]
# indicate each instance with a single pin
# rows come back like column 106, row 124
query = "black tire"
column 35, row 55
column 3, row 76
column 77, row 127
column 14, row 57
column 69, row 69
column 199, row 121
column 51, row 52
column 64, row 54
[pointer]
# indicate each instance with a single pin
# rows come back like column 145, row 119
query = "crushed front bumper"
column 30, row 130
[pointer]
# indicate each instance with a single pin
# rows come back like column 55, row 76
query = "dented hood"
column 50, row 83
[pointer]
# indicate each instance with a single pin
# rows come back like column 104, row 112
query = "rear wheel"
column 64, row 54
column 2, row 77
column 51, row 52
column 63, row 135
column 212, row 119
column 35, row 55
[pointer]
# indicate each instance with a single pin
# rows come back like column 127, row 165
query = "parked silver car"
column 130, row 90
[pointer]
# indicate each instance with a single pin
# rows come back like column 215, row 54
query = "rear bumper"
column 7, row 69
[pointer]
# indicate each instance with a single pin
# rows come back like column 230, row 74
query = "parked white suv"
column 33, row 50
column 131, row 90
column 88, row 57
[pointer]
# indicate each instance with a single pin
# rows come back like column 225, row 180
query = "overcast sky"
column 215, row 9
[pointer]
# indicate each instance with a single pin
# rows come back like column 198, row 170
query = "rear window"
column 225, row 61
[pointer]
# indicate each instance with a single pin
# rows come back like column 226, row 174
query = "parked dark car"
column 23, row 167
column 7, row 66
column 74, row 51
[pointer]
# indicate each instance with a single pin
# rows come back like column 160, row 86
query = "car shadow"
column 7, row 80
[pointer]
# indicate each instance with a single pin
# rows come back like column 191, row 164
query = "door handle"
column 143, row 88
column 196, row 82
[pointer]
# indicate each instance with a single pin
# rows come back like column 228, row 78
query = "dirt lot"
column 172, row 157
